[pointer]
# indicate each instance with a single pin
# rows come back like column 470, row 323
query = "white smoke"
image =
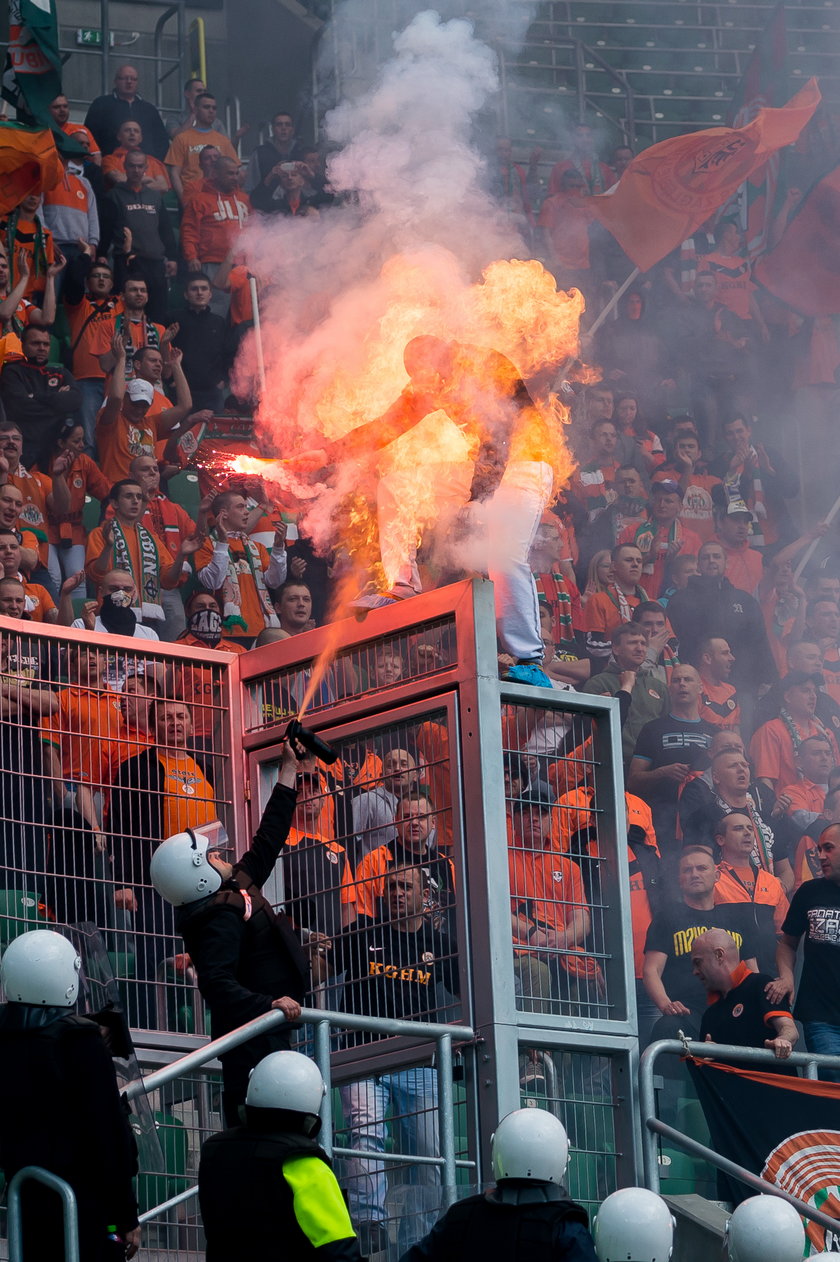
column 343, row 292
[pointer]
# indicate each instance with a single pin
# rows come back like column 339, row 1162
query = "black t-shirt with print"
column 668, row 740
column 815, row 914
column 390, row 972
column 673, row 932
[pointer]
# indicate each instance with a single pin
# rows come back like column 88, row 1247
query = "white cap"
column 41, row 967
column 633, row 1225
column 765, row 1229
column 286, row 1080
column 140, row 391
column 530, row 1144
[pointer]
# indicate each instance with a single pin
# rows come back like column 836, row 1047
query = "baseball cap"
column 667, row 486
column 735, row 507
column 140, row 391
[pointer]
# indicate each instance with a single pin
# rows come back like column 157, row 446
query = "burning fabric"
column 409, row 353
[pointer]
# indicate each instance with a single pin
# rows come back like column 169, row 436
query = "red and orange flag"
column 29, row 163
column 672, row 188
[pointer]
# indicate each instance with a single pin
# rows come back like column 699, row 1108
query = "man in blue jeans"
column 815, row 915
column 395, row 965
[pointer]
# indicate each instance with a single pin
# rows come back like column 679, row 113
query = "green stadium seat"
column 19, row 912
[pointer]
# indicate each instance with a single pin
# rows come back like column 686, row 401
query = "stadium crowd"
column 666, row 573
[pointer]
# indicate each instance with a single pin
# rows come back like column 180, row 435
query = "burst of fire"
column 515, row 310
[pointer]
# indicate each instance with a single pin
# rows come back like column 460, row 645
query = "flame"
column 512, row 322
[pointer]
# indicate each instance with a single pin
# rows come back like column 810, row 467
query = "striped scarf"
column 762, row 852
column 39, row 251
column 553, row 593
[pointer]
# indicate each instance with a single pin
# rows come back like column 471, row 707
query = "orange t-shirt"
column 744, row 567
column 804, row 796
column 718, row 704
column 138, row 331
column 25, row 235
column 119, row 442
column 83, row 478
column 184, row 150
column 188, row 796
column 35, row 487
column 545, row 887
column 697, row 511
column 86, row 364
column 116, row 162
column 772, row 753
column 88, row 723
column 602, row 612
column 94, row 549
column 40, row 600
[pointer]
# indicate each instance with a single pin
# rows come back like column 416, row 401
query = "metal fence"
column 482, row 812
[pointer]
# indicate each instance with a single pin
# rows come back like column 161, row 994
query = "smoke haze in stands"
column 344, row 292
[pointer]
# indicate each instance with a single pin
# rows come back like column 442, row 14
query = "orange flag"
column 29, row 163
column 670, row 189
column 804, row 268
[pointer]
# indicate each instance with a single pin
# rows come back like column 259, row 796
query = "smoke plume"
column 409, row 252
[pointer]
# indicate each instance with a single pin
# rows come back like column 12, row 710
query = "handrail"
column 427, row 1030
column 323, row 1019
column 652, row 1126
column 69, row 1212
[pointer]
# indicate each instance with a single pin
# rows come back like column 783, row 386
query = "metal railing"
column 69, row 1211
column 652, row 1126
column 324, row 1022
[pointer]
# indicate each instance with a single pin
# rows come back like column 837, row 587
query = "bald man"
column 739, row 1010
column 667, row 752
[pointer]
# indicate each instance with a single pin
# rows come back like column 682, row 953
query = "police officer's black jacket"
column 61, row 1109
column 247, row 1207
column 245, row 954
column 517, row 1222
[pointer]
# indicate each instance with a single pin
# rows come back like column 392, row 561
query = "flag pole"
column 258, row 342
column 619, row 293
column 812, row 546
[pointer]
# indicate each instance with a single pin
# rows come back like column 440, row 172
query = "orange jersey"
column 188, row 796
column 39, row 602
column 251, row 609
column 25, row 238
column 241, row 306
column 772, row 752
column 744, row 567
column 88, row 723
column 35, row 487
column 138, row 333
column 83, row 478
column 122, row 440
column 718, row 704
column 602, row 612
column 185, row 148
column 95, row 544
column 804, row 796
column 84, row 319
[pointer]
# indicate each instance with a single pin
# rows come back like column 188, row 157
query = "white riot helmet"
column 530, row 1144
column 286, row 1080
column 765, row 1229
column 633, row 1225
column 179, row 868
column 41, row 967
